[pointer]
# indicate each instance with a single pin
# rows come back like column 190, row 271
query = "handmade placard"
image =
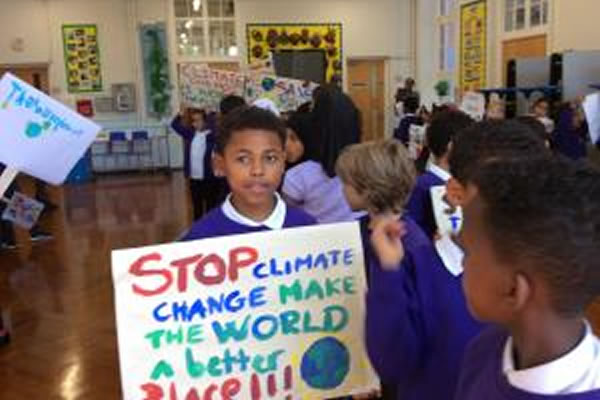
column 23, row 211
column 38, row 135
column 448, row 218
column 270, row 315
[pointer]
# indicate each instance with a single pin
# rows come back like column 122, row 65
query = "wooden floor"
column 58, row 293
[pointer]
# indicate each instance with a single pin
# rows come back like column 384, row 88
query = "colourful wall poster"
column 270, row 315
column 82, row 58
column 473, row 46
column 265, row 38
column 38, row 135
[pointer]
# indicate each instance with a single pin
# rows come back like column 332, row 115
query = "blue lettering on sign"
column 20, row 97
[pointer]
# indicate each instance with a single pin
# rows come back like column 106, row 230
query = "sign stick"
column 7, row 177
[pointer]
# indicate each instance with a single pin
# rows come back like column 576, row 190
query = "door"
column 36, row 76
column 366, row 87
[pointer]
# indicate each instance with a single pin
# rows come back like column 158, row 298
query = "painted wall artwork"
column 473, row 46
column 82, row 58
column 155, row 62
column 270, row 315
column 266, row 38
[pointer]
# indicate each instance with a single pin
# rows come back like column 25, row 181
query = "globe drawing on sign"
column 33, row 130
column 268, row 84
column 325, row 364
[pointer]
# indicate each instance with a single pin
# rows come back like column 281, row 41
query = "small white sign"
column 38, row 135
column 23, row 211
column 447, row 217
column 473, row 104
column 591, row 106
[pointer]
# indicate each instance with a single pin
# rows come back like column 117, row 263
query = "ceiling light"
column 196, row 5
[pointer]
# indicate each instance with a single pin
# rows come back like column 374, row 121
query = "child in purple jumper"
column 417, row 322
column 532, row 266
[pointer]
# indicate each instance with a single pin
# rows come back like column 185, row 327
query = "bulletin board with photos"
column 82, row 58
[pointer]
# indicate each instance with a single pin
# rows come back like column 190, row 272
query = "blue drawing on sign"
column 33, row 129
column 325, row 364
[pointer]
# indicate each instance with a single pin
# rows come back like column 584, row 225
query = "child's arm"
column 182, row 130
column 396, row 324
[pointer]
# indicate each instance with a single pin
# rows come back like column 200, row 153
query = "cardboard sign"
column 287, row 94
column 416, row 134
column 204, row 87
column 39, row 135
column 591, row 107
column 447, row 217
column 274, row 314
column 23, row 211
column 473, row 104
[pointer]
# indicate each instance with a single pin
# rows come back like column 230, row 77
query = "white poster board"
column 274, row 314
column 416, row 140
column 38, row 135
column 591, row 107
column 448, row 218
column 23, row 211
column 473, row 104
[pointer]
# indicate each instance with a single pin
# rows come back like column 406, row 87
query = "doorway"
column 35, row 75
column 532, row 46
column 366, row 87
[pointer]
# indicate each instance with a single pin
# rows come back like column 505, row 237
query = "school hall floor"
column 58, row 293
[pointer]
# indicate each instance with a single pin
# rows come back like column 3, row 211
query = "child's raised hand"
column 366, row 396
column 386, row 235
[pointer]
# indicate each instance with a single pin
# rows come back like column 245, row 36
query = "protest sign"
column 287, row 94
column 447, row 217
column 416, row 140
column 275, row 315
column 39, row 135
column 23, row 211
column 591, row 107
column 204, row 87
column 473, row 104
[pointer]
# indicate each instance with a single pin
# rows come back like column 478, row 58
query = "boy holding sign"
column 250, row 153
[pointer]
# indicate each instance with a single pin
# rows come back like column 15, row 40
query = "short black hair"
column 230, row 103
column 412, row 104
column 246, row 117
column 442, row 129
column 545, row 212
column 535, row 125
column 492, row 139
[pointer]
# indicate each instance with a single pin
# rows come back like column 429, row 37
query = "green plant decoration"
column 442, row 88
column 160, row 90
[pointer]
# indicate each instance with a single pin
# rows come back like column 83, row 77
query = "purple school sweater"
column 417, row 324
column 482, row 378
column 419, row 205
column 215, row 224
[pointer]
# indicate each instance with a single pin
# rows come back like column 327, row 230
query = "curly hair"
column 381, row 171
column 545, row 213
column 442, row 129
column 489, row 140
column 245, row 117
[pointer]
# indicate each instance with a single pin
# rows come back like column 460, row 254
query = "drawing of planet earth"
column 325, row 364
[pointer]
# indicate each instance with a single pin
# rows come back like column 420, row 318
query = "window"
column 446, row 7
column 446, row 36
column 206, row 28
column 523, row 14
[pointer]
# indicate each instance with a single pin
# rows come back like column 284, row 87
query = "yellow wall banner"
column 473, row 40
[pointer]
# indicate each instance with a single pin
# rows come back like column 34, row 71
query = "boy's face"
column 487, row 282
column 198, row 121
column 294, row 149
column 541, row 109
column 253, row 162
column 355, row 200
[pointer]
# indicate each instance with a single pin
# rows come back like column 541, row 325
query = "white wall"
column 575, row 25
